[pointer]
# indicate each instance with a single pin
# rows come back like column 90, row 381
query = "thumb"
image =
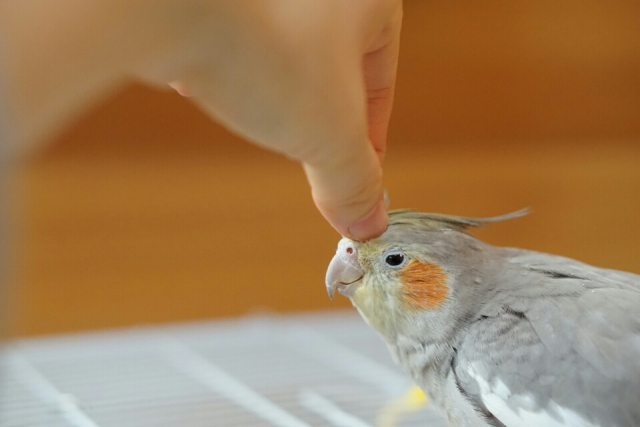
column 348, row 191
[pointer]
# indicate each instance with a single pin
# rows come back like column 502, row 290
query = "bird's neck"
column 428, row 363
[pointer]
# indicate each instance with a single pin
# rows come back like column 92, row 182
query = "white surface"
column 304, row 370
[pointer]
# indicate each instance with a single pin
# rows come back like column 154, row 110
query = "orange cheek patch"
column 424, row 286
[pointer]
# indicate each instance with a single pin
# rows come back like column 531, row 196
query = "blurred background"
column 144, row 211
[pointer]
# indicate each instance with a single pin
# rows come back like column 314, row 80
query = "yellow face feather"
column 418, row 286
column 390, row 296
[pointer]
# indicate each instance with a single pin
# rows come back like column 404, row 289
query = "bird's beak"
column 344, row 273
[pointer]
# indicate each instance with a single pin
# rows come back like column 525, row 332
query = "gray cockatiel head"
column 498, row 336
column 418, row 268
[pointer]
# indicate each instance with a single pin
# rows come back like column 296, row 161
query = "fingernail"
column 372, row 226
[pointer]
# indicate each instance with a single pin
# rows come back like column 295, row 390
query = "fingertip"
column 371, row 226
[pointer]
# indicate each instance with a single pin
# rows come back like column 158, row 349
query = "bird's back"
column 557, row 343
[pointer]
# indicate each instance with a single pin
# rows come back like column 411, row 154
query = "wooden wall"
column 144, row 211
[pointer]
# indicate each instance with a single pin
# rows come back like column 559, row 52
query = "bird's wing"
column 557, row 267
column 558, row 345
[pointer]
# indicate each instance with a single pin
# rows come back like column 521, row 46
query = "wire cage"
column 324, row 369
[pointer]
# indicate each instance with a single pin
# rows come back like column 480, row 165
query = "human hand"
column 313, row 80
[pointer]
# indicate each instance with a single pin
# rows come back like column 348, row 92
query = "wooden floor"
column 145, row 212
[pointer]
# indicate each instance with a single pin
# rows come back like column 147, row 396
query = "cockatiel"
column 498, row 336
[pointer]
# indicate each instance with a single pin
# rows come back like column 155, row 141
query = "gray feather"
column 559, row 331
column 442, row 222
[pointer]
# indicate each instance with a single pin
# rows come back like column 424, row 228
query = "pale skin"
column 312, row 79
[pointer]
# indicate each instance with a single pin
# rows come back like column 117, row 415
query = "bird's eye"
column 395, row 258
